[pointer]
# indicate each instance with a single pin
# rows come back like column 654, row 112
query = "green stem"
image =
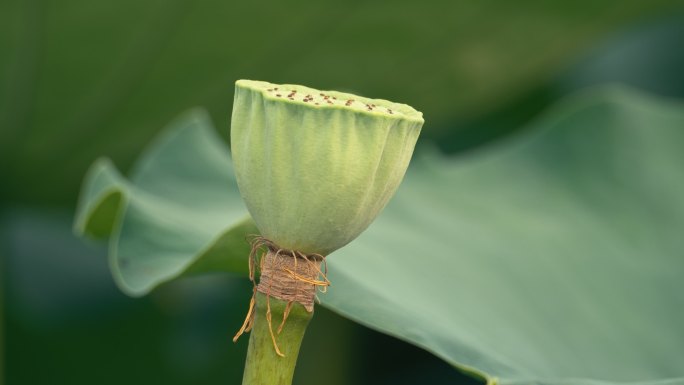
column 264, row 366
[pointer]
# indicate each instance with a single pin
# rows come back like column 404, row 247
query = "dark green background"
column 80, row 79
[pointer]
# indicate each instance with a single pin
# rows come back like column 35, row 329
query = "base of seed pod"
column 285, row 275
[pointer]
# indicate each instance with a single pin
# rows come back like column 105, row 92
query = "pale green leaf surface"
column 553, row 258
column 557, row 255
column 181, row 199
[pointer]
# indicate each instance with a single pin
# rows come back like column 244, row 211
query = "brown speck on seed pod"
column 390, row 111
column 321, row 94
column 270, row 89
column 279, row 95
column 334, row 98
column 291, row 98
column 276, row 88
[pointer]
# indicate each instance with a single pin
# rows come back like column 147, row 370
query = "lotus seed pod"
column 316, row 167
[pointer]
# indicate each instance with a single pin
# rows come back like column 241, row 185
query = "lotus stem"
column 264, row 366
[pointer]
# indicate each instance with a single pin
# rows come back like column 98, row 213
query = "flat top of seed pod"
column 312, row 97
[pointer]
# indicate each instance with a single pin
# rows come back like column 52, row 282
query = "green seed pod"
column 316, row 167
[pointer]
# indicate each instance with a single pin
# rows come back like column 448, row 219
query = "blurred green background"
column 80, row 79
